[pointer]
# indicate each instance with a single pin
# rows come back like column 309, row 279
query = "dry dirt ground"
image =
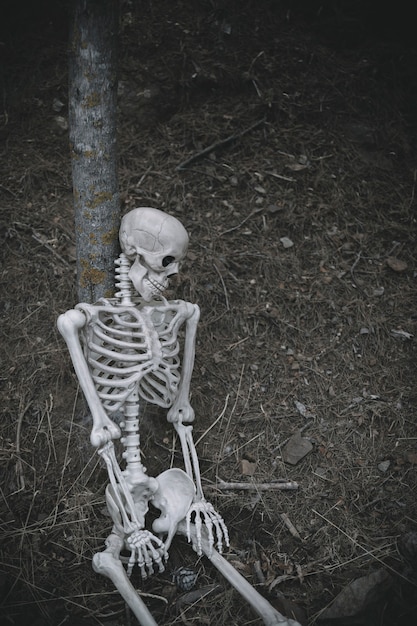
column 303, row 262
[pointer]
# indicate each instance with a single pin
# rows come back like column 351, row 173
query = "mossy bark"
column 93, row 144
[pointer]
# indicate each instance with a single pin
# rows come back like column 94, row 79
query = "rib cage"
column 128, row 348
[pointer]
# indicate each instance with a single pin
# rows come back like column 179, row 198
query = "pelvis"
column 174, row 497
column 172, row 492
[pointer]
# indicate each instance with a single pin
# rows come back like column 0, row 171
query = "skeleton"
column 126, row 350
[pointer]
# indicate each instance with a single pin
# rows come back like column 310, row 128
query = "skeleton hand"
column 180, row 412
column 204, row 513
column 145, row 550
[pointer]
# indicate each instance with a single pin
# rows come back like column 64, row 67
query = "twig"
column 230, row 230
column 368, row 553
column 280, row 484
column 226, row 430
column 352, row 272
column 259, row 573
column 413, row 189
column 12, row 193
column 39, row 239
column 66, row 458
column 19, row 465
column 288, row 179
column 215, row 421
column 142, row 178
column 288, row 523
column 224, row 287
column 192, row 597
column 218, row 144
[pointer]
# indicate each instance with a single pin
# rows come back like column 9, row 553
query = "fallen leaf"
column 296, row 449
column 396, row 264
column 218, row 358
column 247, row 468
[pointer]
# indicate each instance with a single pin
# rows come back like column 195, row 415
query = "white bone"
column 127, row 499
column 269, row 615
column 108, row 564
column 200, row 512
column 181, row 411
column 174, row 497
column 69, row 325
column 124, row 350
column 156, row 243
column 145, row 551
column 119, row 491
column 130, row 493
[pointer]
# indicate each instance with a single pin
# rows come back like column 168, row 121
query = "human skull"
column 156, row 243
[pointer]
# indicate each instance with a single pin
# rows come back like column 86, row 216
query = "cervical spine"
column 123, row 282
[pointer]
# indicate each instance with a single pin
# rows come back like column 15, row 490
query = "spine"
column 123, row 282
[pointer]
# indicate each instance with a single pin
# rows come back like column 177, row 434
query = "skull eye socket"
column 167, row 260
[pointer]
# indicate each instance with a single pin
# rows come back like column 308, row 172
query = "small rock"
column 396, row 264
column 383, row 466
column 61, row 123
column 296, row 449
column 286, row 242
column 57, row 105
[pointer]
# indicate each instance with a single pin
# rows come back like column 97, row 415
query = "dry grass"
column 323, row 323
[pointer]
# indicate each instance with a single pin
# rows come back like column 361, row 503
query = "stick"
column 218, row 144
column 352, row 272
column 288, row 523
column 19, row 464
column 281, row 484
column 289, row 179
column 230, row 230
column 215, row 421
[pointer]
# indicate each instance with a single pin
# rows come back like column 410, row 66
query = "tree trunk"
column 92, row 133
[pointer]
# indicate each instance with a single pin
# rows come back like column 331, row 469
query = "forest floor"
column 303, row 261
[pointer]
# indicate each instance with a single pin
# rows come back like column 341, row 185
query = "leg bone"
column 269, row 615
column 107, row 564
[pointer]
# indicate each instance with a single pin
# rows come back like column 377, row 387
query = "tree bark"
column 93, row 144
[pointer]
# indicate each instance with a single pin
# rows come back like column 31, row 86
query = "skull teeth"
column 155, row 286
